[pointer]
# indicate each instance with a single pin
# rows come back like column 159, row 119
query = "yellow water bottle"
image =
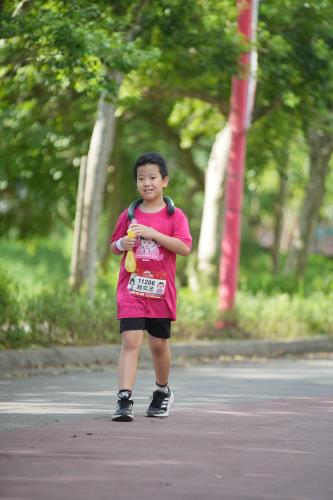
column 130, row 261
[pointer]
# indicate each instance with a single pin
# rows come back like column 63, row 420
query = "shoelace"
column 157, row 398
column 124, row 403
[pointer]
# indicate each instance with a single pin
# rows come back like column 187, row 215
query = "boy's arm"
column 114, row 249
column 169, row 242
column 119, row 243
column 122, row 245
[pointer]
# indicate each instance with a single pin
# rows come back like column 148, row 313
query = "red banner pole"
column 230, row 244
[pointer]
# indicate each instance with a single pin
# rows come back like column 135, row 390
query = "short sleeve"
column 121, row 227
column 181, row 229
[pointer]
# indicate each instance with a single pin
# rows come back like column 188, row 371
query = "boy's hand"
column 144, row 231
column 127, row 243
column 169, row 242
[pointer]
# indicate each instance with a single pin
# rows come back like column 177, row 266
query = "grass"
column 256, row 275
column 36, row 263
column 37, row 308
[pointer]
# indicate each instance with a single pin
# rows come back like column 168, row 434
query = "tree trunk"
column 76, row 276
column 279, row 214
column 100, row 148
column 114, row 200
column 209, row 233
column 99, row 151
column 321, row 147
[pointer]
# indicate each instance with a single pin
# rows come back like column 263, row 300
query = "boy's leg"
column 127, row 368
column 162, row 396
column 128, row 358
column 161, row 356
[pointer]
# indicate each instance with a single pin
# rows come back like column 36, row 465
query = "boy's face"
column 150, row 183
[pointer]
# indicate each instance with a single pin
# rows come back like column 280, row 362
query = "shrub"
column 62, row 317
column 10, row 312
column 196, row 315
column 8, row 303
column 256, row 316
column 283, row 315
column 42, row 311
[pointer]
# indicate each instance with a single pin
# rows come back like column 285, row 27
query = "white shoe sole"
column 123, row 418
column 166, row 413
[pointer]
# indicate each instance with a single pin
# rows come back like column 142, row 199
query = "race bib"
column 147, row 284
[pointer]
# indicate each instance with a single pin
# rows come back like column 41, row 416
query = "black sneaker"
column 124, row 411
column 160, row 405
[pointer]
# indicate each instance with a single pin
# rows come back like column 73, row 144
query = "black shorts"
column 156, row 327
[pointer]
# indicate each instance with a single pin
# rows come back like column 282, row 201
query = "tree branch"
column 136, row 26
column 266, row 110
column 159, row 93
column 21, row 8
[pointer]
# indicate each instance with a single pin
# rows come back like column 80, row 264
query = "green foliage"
column 256, row 275
column 199, row 43
column 283, row 315
column 196, row 315
column 60, row 317
column 9, row 313
column 36, row 306
column 295, row 81
column 57, row 58
column 195, row 118
column 37, row 262
column 257, row 316
column 177, row 59
column 37, row 309
column 295, row 35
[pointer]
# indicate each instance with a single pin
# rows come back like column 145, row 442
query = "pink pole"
column 230, row 244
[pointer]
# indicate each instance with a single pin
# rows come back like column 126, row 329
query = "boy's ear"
column 165, row 181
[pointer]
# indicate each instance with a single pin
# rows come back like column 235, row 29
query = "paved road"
column 254, row 430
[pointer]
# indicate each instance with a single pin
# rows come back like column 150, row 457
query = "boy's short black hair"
column 155, row 159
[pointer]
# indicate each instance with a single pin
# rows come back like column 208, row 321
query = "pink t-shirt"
column 150, row 292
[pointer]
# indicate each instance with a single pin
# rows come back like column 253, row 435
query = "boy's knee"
column 131, row 341
column 158, row 346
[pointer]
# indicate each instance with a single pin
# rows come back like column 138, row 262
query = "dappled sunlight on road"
column 214, row 388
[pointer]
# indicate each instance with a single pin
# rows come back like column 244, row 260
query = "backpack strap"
column 132, row 207
column 169, row 202
column 170, row 205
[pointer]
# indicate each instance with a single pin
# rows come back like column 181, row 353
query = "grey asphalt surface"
column 248, row 430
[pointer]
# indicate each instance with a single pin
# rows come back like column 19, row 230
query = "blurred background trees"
column 164, row 69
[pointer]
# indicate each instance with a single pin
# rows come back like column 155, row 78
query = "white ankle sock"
column 162, row 388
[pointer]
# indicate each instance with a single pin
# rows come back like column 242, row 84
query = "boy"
column 146, row 299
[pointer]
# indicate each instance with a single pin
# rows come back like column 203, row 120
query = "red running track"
column 280, row 449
